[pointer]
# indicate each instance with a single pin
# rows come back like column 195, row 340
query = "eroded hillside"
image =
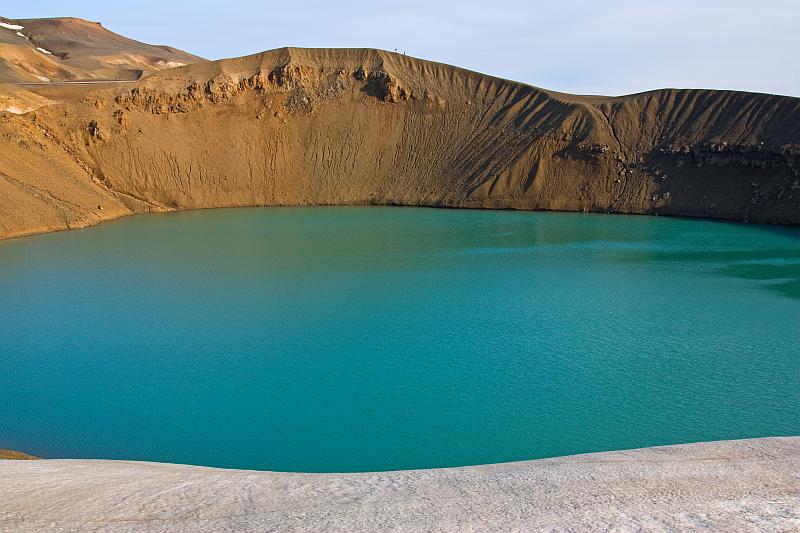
column 43, row 61
column 327, row 126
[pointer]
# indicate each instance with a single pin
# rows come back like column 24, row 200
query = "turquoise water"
column 351, row 339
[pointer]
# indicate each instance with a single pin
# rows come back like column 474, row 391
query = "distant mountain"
column 52, row 50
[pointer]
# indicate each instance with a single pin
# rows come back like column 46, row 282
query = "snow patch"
column 10, row 26
column 23, row 36
column 42, row 50
column 43, row 78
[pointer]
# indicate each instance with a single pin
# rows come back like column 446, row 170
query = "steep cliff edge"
column 352, row 126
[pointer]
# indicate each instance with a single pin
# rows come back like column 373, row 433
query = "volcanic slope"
column 359, row 126
column 41, row 59
column 90, row 47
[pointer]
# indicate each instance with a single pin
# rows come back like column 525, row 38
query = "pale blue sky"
column 579, row 46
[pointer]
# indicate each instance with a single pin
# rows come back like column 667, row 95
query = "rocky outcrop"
column 383, row 86
column 300, row 127
column 302, row 84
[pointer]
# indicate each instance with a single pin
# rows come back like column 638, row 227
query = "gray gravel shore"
column 747, row 485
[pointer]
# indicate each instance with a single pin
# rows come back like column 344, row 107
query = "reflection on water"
column 344, row 339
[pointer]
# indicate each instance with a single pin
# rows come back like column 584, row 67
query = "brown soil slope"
column 16, row 456
column 331, row 126
column 20, row 61
column 97, row 52
column 40, row 58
